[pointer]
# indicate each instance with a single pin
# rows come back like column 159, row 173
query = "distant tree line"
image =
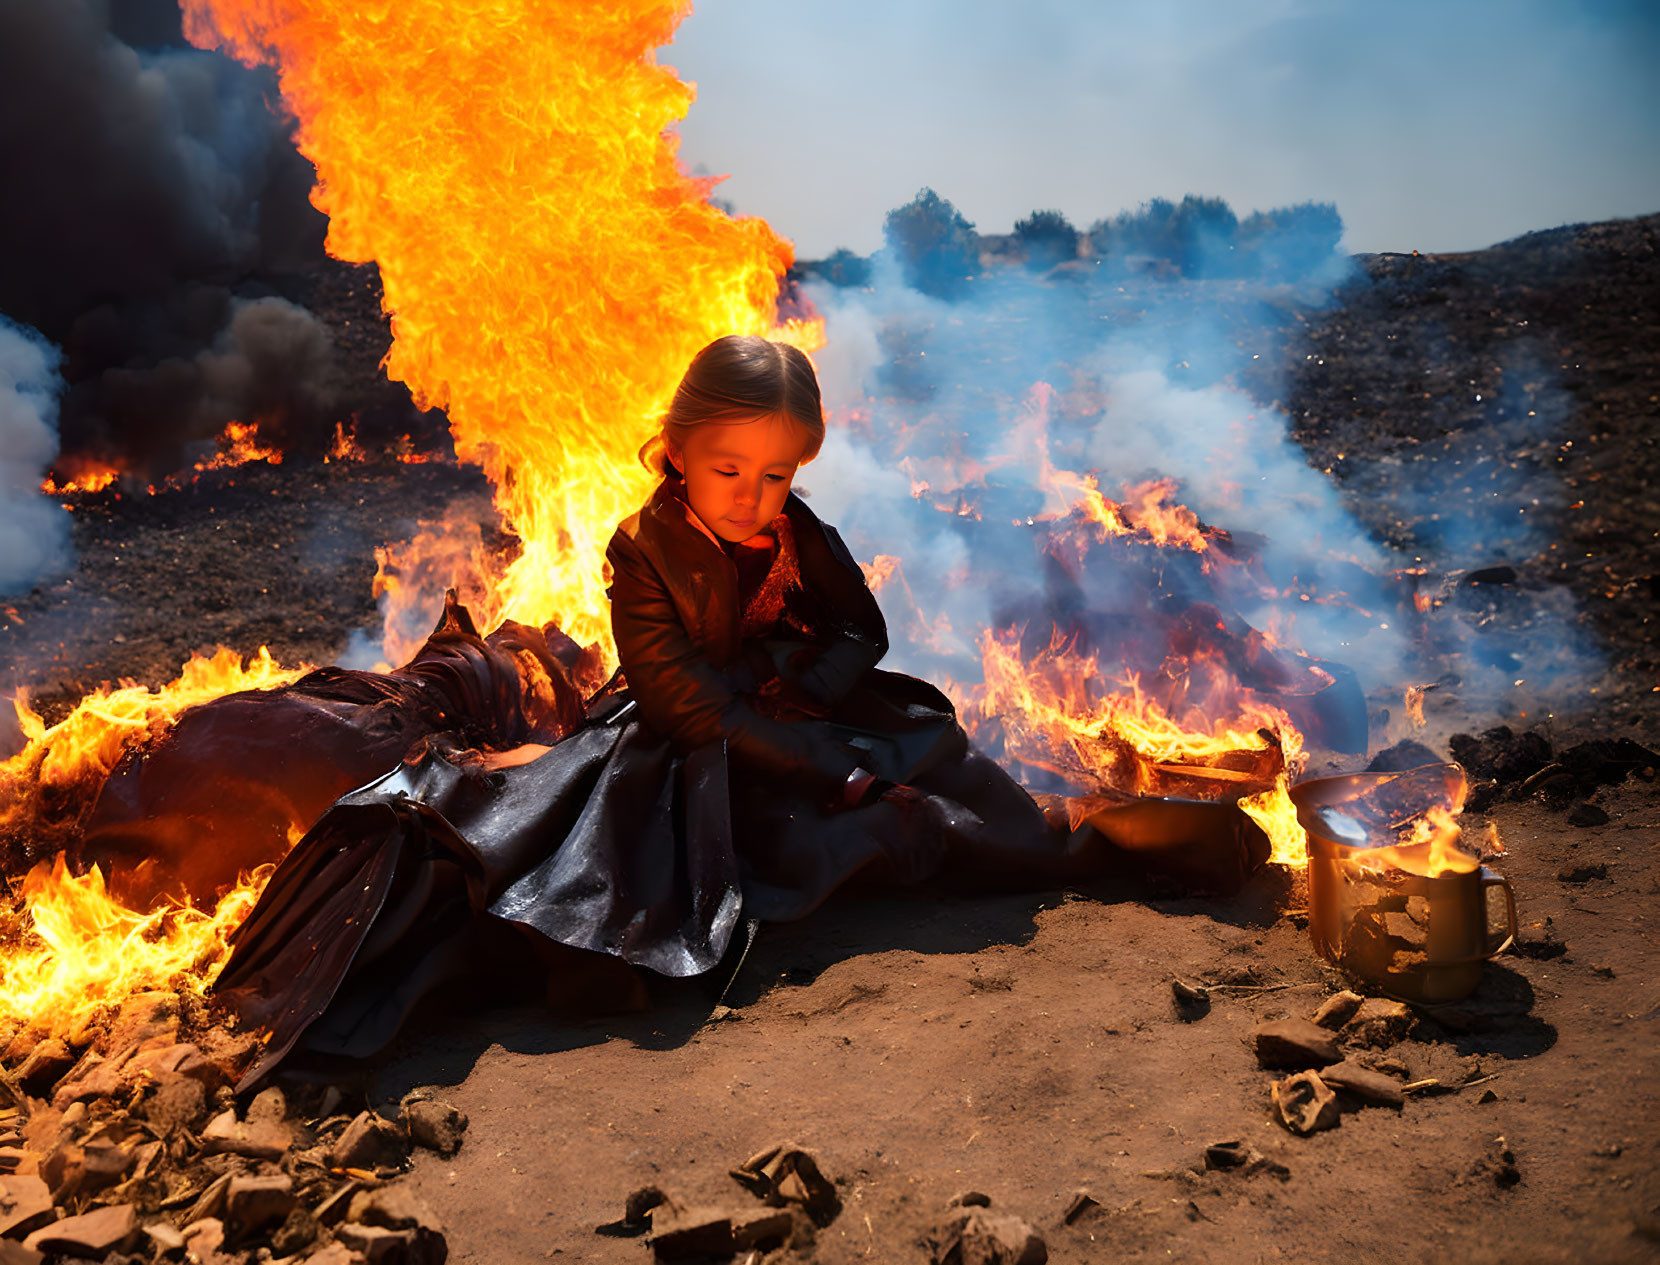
column 939, row 253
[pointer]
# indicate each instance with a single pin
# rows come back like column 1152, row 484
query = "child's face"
column 738, row 474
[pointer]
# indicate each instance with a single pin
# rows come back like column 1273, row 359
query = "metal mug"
column 1449, row 920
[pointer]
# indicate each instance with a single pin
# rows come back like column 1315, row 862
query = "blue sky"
column 1432, row 126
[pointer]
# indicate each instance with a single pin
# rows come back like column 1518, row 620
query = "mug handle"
column 1495, row 946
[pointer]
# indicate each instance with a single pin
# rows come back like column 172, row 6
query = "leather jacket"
column 675, row 616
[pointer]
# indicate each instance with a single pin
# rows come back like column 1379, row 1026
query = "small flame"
column 239, row 445
column 1428, row 846
column 91, row 478
column 1414, row 701
column 1277, row 815
column 879, row 570
column 345, row 446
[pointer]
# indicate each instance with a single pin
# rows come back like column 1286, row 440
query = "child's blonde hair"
column 737, row 379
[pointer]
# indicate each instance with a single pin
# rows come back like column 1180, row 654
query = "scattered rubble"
column 788, row 1179
column 1337, row 1010
column 1304, row 1103
column 974, row 1235
column 1241, row 1157
column 1295, row 1043
column 1369, row 1087
column 1192, row 1000
column 789, row 1175
column 1379, row 1023
column 128, row 1139
column 435, row 1125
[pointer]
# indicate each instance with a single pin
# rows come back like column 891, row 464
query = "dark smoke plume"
column 147, row 183
column 224, row 359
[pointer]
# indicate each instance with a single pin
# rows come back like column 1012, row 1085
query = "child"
column 746, row 760
column 743, row 623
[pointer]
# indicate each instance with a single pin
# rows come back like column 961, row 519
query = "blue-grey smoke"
column 1129, row 369
column 34, row 530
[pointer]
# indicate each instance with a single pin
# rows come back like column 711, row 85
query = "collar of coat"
column 702, row 580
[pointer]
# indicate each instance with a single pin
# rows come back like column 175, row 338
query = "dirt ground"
column 1029, row 1046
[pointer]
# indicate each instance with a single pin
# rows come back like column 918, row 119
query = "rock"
column 379, row 1245
column 253, row 1204
column 394, row 1207
column 181, row 1060
column 1405, row 754
column 165, row 1237
column 25, row 1205
column 790, row 1174
column 1192, row 1000
column 143, row 1019
column 95, row 1076
column 969, row 1199
column 678, row 1231
column 257, row 1138
column 92, row 1235
column 176, row 1105
column 1582, row 873
column 297, row 1232
column 203, row 1238
column 370, row 1141
column 1372, row 1088
column 763, row 1229
column 434, row 1125
column 1242, row 1156
column 1303, row 1104
column 1083, row 1204
column 974, row 1236
column 1295, row 1043
column 46, row 1065
column 1379, row 1023
column 1338, row 1009
column 1586, row 813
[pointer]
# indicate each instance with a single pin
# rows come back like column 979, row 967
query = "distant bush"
column 1292, row 241
column 843, row 268
column 1202, row 237
column 1047, row 238
column 934, row 245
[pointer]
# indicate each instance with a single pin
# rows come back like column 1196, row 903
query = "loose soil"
column 1028, row 1046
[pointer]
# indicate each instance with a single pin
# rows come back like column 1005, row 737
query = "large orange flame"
column 89, row 742
column 71, row 946
column 1055, row 710
column 549, row 268
column 76, row 949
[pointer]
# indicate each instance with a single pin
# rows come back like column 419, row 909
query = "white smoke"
column 34, row 530
column 1145, row 377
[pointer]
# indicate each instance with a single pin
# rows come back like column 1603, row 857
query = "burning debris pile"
column 124, row 1142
